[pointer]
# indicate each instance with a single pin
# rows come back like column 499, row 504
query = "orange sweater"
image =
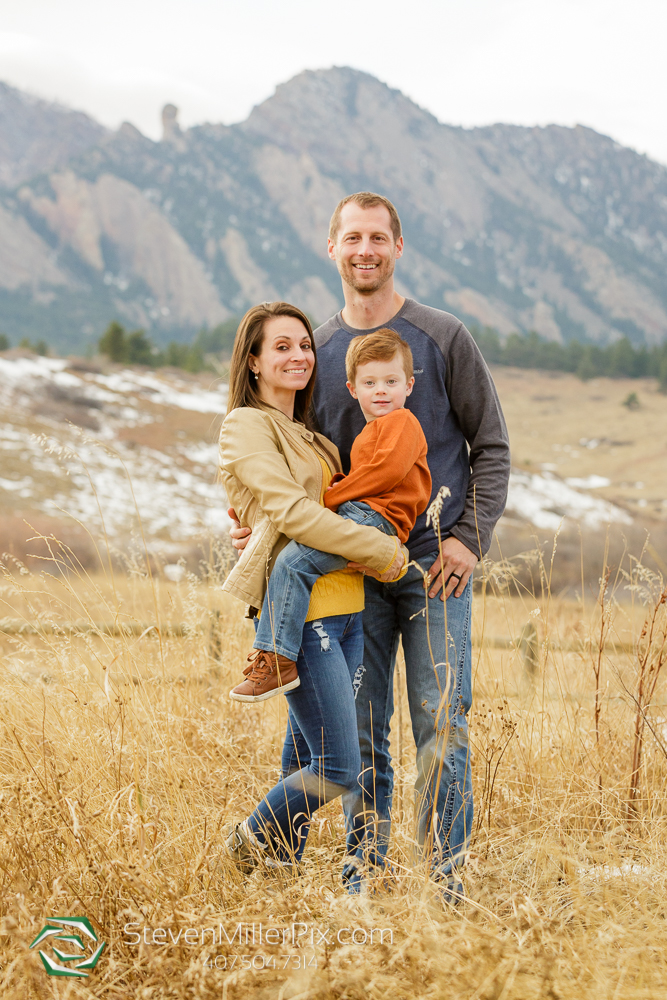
column 388, row 471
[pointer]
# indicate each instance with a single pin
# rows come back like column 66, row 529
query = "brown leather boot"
column 267, row 674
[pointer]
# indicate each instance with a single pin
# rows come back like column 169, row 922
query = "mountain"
column 552, row 229
column 36, row 135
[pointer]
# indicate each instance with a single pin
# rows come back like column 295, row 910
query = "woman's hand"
column 240, row 536
column 390, row 574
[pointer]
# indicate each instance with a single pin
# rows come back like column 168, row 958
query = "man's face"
column 364, row 250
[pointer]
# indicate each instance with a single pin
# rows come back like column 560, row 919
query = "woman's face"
column 286, row 360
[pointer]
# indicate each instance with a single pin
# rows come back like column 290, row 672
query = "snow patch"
column 142, row 489
column 94, row 477
column 545, row 500
column 588, row 482
column 156, row 390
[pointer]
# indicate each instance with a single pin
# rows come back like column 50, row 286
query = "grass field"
column 579, row 429
column 122, row 761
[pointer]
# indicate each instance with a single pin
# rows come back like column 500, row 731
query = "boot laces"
column 260, row 666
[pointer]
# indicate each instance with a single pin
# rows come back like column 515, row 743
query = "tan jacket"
column 273, row 480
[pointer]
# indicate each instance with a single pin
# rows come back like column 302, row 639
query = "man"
column 468, row 452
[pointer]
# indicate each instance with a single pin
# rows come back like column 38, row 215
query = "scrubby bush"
column 41, row 347
column 137, row 348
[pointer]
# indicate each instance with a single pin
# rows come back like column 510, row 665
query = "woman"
column 275, row 470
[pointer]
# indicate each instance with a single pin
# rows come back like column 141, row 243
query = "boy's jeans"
column 294, row 574
column 437, row 647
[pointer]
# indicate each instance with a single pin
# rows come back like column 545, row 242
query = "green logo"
column 73, row 962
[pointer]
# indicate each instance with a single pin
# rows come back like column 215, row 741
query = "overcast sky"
column 471, row 62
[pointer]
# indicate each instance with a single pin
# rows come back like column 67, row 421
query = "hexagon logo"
column 73, row 962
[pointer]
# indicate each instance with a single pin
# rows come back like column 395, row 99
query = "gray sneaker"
column 449, row 890
column 241, row 850
column 247, row 853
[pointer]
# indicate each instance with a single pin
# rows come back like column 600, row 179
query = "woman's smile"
column 285, row 362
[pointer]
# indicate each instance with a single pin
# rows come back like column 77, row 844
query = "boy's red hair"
column 382, row 345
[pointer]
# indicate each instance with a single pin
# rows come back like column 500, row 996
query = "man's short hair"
column 365, row 199
column 382, row 345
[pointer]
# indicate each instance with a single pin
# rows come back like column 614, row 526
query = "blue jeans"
column 321, row 752
column 438, row 674
column 295, row 571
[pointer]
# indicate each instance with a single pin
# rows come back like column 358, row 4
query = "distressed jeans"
column 321, row 752
column 295, row 571
column 437, row 648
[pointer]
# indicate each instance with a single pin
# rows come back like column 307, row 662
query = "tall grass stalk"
column 651, row 657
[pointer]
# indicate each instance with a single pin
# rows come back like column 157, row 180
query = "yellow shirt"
column 337, row 593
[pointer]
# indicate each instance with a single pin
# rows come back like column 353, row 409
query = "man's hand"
column 239, row 535
column 458, row 561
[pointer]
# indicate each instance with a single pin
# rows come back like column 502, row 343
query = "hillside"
column 553, row 229
column 93, row 452
column 583, row 437
column 100, row 456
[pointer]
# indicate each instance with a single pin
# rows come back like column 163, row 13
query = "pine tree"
column 113, row 343
column 662, row 376
column 139, row 348
column 621, row 359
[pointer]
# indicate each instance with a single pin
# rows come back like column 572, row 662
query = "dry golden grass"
column 122, row 761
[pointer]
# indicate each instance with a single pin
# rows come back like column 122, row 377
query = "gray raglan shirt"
column 456, row 403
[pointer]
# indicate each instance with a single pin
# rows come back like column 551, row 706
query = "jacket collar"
column 295, row 425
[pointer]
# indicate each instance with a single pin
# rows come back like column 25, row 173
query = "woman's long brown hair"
column 249, row 337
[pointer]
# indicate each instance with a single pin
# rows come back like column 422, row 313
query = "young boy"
column 389, row 485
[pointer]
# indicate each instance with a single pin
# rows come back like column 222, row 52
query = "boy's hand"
column 458, row 564
column 240, row 536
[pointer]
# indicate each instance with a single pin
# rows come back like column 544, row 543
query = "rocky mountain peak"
column 38, row 135
column 557, row 230
column 171, row 130
column 317, row 107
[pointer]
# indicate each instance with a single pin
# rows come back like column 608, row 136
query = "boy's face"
column 381, row 386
